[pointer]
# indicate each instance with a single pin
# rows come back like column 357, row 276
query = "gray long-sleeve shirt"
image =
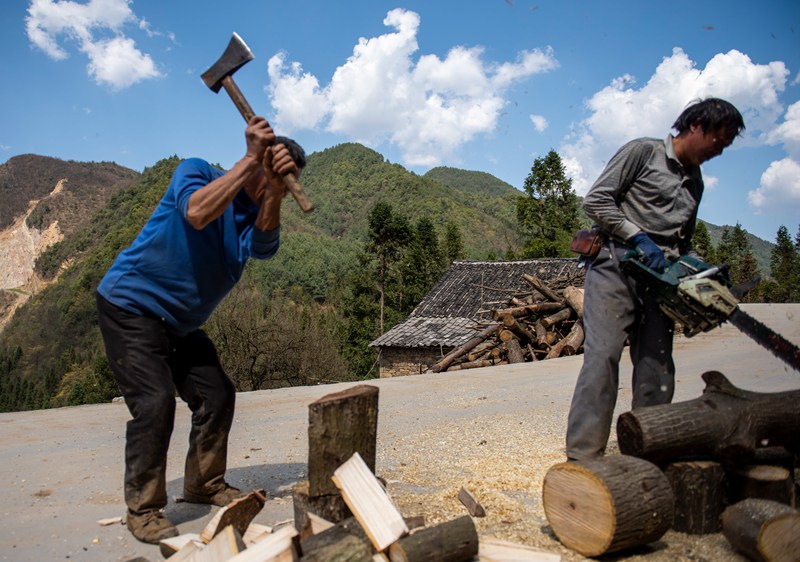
column 645, row 187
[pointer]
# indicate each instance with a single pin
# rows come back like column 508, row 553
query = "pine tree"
column 784, row 263
column 701, row 242
column 734, row 249
column 423, row 265
column 453, row 242
column 548, row 214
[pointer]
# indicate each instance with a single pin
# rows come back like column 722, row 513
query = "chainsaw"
column 700, row 297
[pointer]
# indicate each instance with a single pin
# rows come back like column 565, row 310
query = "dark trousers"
column 149, row 364
column 615, row 310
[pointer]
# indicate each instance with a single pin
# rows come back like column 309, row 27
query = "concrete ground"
column 61, row 470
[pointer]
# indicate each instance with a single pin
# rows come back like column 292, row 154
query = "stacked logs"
column 542, row 324
column 725, row 461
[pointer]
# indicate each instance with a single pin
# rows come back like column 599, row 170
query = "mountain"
column 762, row 249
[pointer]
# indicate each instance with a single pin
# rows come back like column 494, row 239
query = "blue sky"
column 486, row 85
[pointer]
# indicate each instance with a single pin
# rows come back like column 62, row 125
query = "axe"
column 220, row 75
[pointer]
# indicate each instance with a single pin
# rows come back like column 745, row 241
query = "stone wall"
column 402, row 361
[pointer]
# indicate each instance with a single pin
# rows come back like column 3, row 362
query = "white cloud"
column 622, row 111
column 539, row 122
column 788, row 132
column 779, row 187
column 427, row 108
column 96, row 27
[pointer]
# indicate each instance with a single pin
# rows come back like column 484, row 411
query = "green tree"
column 735, row 250
column 423, row 265
column 453, row 242
column 785, row 267
column 701, row 242
column 548, row 213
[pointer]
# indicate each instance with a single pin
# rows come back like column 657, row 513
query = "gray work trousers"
column 149, row 364
column 616, row 310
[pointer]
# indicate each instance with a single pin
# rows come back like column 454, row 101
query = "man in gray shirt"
column 646, row 199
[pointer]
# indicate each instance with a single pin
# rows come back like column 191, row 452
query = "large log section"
column 607, row 504
column 725, row 423
column 763, row 530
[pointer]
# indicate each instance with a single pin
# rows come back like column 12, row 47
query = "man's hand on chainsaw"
column 651, row 255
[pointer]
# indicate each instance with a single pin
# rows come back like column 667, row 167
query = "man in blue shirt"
column 153, row 301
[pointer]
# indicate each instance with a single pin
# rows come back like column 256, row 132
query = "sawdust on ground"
column 502, row 460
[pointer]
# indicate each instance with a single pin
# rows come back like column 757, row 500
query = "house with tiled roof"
column 461, row 302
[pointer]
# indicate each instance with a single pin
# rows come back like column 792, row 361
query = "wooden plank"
column 369, row 502
column 496, row 550
column 473, row 506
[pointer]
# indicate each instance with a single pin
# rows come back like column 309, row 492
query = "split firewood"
column 574, row 298
column 607, row 504
column 238, row 513
column 725, row 423
column 473, row 505
column 256, row 532
column 340, row 424
column 370, row 503
column 331, row 507
column 452, row 541
column 170, row 546
column 445, row 362
column 700, row 495
column 226, row 545
column 540, row 286
column 314, row 525
column 762, row 481
column 496, row 550
column 186, row 552
column 763, row 530
column 557, row 318
column 280, row 546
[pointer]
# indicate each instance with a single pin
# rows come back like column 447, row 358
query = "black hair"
column 295, row 150
column 712, row 114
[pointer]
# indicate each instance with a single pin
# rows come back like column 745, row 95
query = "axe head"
column 236, row 55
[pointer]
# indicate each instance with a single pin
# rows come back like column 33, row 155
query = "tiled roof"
column 466, row 295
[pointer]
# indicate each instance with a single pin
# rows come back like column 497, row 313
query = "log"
column 514, row 352
column 531, row 353
column 520, row 329
column 557, row 349
column 763, row 530
column 481, row 349
column 607, row 504
column 574, row 339
column 452, row 541
column 340, row 424
column 540, row 286
column 725, row 423
column 699, row 489
column 764, row 482
column 527, row 309
column 472, row 365
column 331, row 507
column 346, row 549
column 557, row 318
column 541, row 336
column 505, row 335
column 574, row 298
column 445, row 362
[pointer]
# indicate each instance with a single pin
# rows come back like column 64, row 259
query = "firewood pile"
column 543, row 323
column 726, row 461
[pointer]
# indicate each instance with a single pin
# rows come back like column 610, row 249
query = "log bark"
column 520, row 329
column 445, row 362
column 527, row 309
column 540, row 286
column 340, row 424
column 541, row 336
column 557, row 318
column 762, row 481
column 452, row 541
column 725, row 423
column 574, row 298
column 608, row 504
column 331, row 507
column 557, row 349
column 344, row 542
column 699, row 488
column 763, row 530
column 574, row 339
column 515, row 354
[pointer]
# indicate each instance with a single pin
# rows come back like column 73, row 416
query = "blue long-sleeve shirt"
column 177, row 273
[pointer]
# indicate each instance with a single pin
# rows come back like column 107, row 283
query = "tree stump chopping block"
column 726, row 423
column 331, row 507
column 608, row 504
column 339, row 425
column 762, row 481
column 452, row 541
column 763, row 530
column 700, row 495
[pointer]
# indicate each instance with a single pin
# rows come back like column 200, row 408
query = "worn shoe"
column 151, row 526
column 221, row 497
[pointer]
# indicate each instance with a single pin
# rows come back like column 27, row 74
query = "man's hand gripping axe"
column 220, row 75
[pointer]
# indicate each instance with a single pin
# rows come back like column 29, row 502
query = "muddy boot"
column 151, row 526
column 222, row 495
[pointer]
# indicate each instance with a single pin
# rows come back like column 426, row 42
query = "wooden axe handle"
column 290, row 180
